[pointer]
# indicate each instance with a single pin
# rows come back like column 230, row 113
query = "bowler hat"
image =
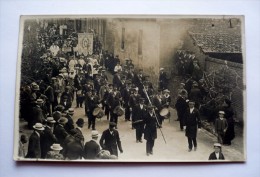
column 80, row 121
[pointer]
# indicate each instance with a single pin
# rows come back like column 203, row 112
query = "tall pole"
column 154, row 113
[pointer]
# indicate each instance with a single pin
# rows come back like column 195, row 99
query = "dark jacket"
column 91, row 149
column 192, row 122
column 150, row 130
column 34, row 146
column 181, row 106
column 60, row 133
column 47, row 139
column 110, row 142
column 212, row 156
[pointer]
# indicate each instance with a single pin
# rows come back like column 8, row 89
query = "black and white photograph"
column 131, row 88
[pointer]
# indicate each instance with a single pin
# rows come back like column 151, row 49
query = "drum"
column 119, row 111
column 96, row 111
column 164, row 112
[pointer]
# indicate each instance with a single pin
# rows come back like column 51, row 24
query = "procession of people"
column 105, row 87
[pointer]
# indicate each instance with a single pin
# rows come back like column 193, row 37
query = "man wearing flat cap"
column 221, row 126
column 110, row 140
column 217, row 154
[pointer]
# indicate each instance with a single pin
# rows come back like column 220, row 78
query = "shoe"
column 177, row 120
column 140, row 141
column 93, row 129
column 195, row 148
column 151, row 152
column 147, row 154
column 189, row 150
column 137, row 141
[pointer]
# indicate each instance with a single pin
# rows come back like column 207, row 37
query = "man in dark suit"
column 47, row 138
column 59, row 130
column 110, row 140
column 126, row 96
column 217, row 154
column 181, row 107
column 150, row 130
column 38, row 115
column 73, row 147
column 92, row 148
column 78, row 130
column 192, row 123
column 70, row 124
column 34, row 146
column 139, row 112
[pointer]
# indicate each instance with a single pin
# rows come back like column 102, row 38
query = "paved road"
column 176, row 148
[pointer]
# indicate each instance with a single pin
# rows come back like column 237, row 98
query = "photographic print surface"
column 131, row 89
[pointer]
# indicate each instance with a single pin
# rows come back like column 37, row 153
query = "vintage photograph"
column 136, row 88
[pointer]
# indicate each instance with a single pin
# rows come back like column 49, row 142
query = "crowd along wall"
column 236, row 71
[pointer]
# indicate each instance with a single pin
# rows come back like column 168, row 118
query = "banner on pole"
column 85, row 43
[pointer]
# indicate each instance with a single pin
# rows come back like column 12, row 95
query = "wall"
column 171, row 39
column 149, row 60
column 236, row 69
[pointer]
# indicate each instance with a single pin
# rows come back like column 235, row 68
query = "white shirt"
column 217, row 154
column 191, row 110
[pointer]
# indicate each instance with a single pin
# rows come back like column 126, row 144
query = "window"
column 140, row 41
column 123, row 39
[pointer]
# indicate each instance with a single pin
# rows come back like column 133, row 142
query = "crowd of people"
column 46, row 104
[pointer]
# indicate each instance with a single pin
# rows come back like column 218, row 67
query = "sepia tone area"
column 140, row 88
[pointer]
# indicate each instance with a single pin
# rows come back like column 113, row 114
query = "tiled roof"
column 217, row 39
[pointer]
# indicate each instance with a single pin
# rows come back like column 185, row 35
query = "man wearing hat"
column 66, row 103
column 78, row 130
column 54, row 153
column 217, row 154
column 37, row 114
column 110, row 140
column 70, row 124
column 181, row 107
column 221, row 126
column 92, row 147
column 150, row 130
column 138, row 116
column 47, row 138
column 59, row 130
column 126, row 97
column 192, row 123
column 163, row 81
column 34, row 146
column 73, row 148
column 195, row 94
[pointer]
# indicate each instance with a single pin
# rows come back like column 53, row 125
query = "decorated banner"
column 85, row 43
